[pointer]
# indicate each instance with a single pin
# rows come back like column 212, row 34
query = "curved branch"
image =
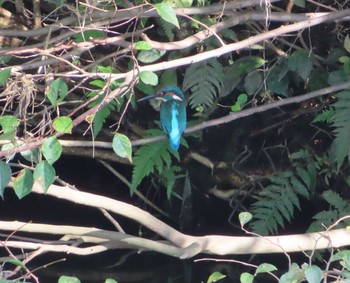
column 188, row 245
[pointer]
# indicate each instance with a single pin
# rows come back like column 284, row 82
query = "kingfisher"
column 172, row 113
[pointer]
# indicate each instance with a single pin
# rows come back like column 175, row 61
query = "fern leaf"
column 148, row 157
column 335, row 200
column 102, row 114
column 168, row 29
column 204, row 80
column 341, row 122
column 278, row 200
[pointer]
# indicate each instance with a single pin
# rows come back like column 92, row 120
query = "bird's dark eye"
column 160, row 93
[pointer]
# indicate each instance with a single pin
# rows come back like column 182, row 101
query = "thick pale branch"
column 192, row 245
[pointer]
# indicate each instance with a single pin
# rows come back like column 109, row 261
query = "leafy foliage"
column 341, row 122
column 339, row 207
column 204, row 80
column 277, row 200
column 151, row 156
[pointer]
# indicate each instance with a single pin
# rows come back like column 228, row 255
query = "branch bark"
column 179, row 244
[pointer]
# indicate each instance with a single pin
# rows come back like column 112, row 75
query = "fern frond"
column 102, row 114
column 204, row 80
column 168, row 29
column 341, row 122
column 150, row 156
column 278, row 200
column 338, row 208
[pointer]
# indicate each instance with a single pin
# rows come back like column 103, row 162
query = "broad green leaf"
column 215, row 276
column 31, row 155
column 57, row 92
column 347, row 43
column 299, row 3
column 150, row 56
column 244, row 217
column 313, row 274
column 242, row 98
column 63, row 124
column 318, row 79
column 99, row 83
column 246, row 277
column 147, row 89
column 252, row 82
column 5, row 177
column 23, row 183
column 301, row 62
column 8, row 123
column 265, row 267
column 236, row 107
column 246, row 65
column 68, row 279
column 149, row 78
column 4, row 75
column 168, row 77
column 44, row 174
column 294, row 275
column 167, row 13
column 229, row 34
column 51, row 149
column 278, row 80
column 87, row 35
column 122, row 146
column 337, row 77
column 109, row 280
column 143, row 45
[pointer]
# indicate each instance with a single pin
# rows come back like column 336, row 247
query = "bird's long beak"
column 147, row 98
column 178, row 98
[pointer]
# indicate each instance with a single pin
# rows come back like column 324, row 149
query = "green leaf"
column 294, row 275
column 9, row 123
column 150, row 156
column 299, row 3
column 313, row 274
column 87, row 35
column 204, row 80
column 149, row 78
column 143, row 45
column 215, row 276
column 278, row 79
column 109, row 280
column 168, row 77
column 51, row 149
column 242, row 98
column 23, row 183
column 246, row 65
column 246, row 277
column 122, row 146
column 5, row 177
column 68, row 279
column 252, row 82
column 167, row 13
column 16, row 262
column 4, row 75
column 63, row 124
column 236, row 107
column 244, row 217
column 57, row 92
column 150, row 56
column 265, row 267
column 301, row 62
column 44, row 174
column 346, row 44
column 31, row 155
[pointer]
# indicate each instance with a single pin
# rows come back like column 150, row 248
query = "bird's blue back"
column 173, row 114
